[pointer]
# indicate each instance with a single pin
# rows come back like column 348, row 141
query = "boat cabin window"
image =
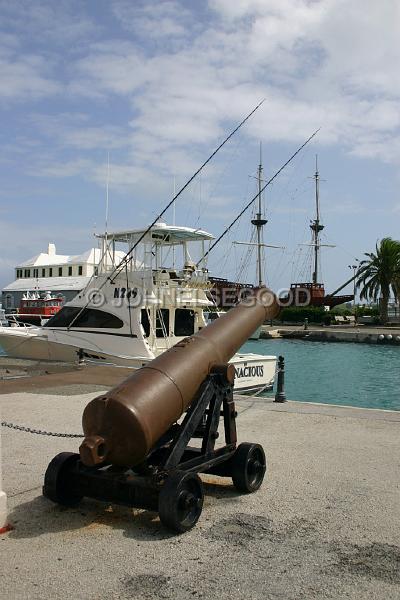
column 145, row 322
column 69, row 271
column 60, row 271
column 162, row 322
column 80, row 270
column 43, row 272
column 184, row 322
column 90, row 318
column 50, row 272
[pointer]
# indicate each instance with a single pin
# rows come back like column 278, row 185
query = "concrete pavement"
column 325, row 524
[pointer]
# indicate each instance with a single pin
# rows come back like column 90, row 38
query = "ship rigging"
column 313, row 293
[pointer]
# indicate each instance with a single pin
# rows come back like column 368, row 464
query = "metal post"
column 81, row 356
column 280, row 395
column 354, row 269
column 306, row 324
column 3, row 502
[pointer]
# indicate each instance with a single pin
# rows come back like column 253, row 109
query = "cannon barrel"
column 123, row 425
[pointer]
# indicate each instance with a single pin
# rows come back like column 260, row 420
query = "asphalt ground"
column 325, row 523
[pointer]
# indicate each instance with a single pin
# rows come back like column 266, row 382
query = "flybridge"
column 162, row 246
column 160, row 232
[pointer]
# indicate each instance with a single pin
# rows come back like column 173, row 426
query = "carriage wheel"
column 56, row 486
column 248, row 467
column 181, row 501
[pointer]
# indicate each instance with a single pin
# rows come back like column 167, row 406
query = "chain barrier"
column 39, row 431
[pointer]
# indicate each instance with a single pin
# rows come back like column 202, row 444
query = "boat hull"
column 254, row 373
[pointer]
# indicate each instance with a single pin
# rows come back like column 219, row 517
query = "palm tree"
column 380, row 273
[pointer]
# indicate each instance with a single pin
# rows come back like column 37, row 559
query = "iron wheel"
column 248, row 467
column 181, row 501
column 56, row 486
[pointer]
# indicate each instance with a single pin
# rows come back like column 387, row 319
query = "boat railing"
column 178, row 280
column 12, row 322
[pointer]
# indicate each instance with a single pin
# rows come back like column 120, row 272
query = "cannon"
column 147, row 439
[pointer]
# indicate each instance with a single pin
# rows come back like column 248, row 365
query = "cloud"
column 155, row 21
column 25, row 77
column 76, row 131
column 111, row 67
column 288, row 52
column 61, row 22
column 170, row 78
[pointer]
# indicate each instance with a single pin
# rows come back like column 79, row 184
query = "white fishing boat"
column 131, row 312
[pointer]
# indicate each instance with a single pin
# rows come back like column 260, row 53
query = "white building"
column 58, row 273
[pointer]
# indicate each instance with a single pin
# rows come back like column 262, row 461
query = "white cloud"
column 25, row 77
column 60, row 22
column 75, row 130
column 156, row 21
column 115, row 67
column 317, row 63
column 314, row 62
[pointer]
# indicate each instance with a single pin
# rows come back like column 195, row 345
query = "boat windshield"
column 88, row 318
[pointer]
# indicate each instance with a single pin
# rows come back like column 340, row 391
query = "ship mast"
column 316, row 226
column 259, row 222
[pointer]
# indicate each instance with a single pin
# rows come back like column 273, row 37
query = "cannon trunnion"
column 168, row 481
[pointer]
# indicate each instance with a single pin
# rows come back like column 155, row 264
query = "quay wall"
column 352, row 336
column 329, row 335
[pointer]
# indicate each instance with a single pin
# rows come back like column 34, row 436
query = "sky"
column 154, row 87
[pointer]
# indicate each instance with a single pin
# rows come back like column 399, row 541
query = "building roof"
column 44, row 284
column 50, row 258
column 44, row 259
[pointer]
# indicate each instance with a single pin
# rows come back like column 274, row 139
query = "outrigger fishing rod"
column 122, row 263
column 255, row 198
column 125, row 260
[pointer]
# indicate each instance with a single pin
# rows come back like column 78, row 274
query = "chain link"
column 39, row 431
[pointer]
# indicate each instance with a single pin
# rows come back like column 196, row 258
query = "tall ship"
column 259, row 221
column 133, row 310
column 312, row 293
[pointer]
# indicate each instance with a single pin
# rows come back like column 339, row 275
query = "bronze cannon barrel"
column 123, row 425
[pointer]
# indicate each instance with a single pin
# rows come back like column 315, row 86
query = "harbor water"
column 361, row 375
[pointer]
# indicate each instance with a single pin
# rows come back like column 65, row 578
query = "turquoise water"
column 361, row 375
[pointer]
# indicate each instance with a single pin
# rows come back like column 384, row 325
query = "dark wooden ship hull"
column 313, row 294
